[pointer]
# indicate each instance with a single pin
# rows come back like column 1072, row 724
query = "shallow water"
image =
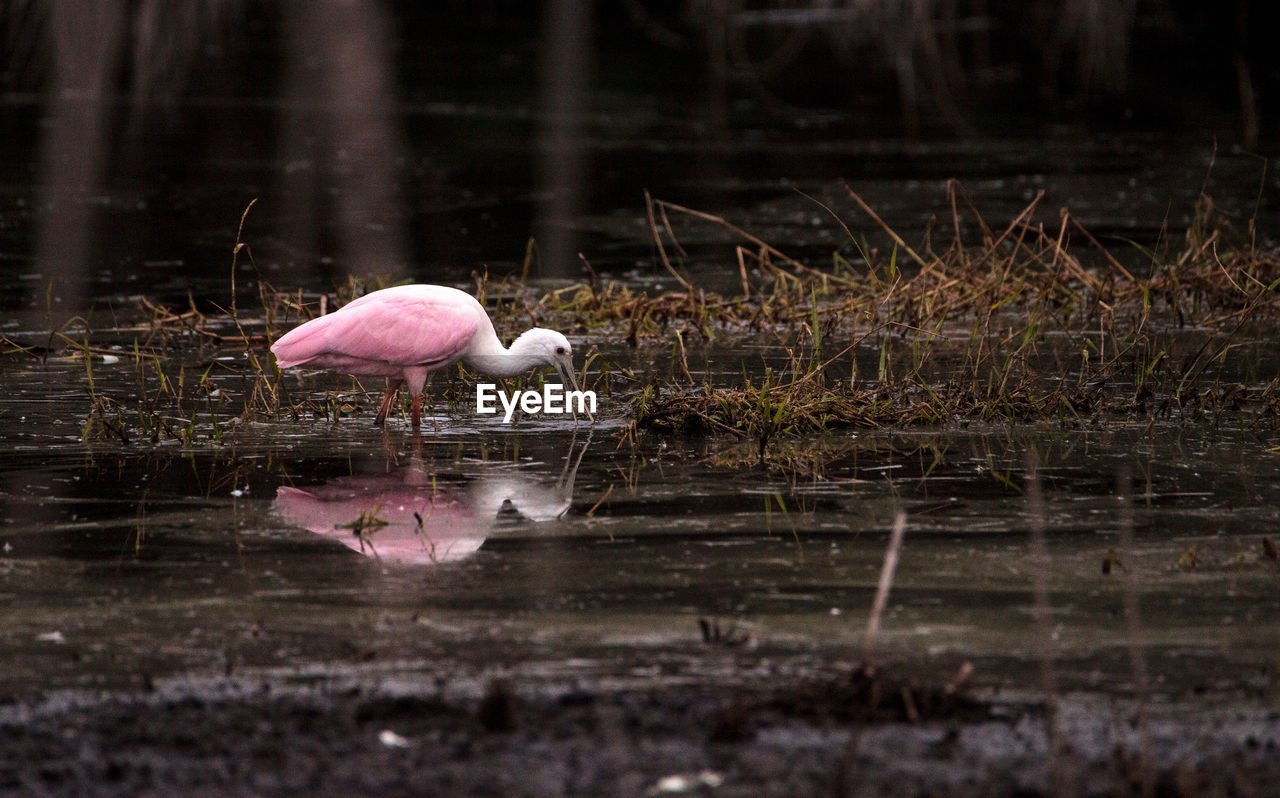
column 306, row 546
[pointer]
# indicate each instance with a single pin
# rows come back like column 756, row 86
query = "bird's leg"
column 416, row 377
column 387, row 398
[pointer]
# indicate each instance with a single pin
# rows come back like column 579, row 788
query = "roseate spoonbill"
column 402, row 333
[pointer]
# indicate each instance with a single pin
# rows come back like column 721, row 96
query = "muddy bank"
column 488, row 735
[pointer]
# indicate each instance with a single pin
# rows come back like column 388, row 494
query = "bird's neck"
column 493, row 359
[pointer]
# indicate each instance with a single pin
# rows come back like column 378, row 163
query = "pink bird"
column 402, row 333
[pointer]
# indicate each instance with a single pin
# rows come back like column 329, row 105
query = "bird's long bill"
column 565, row 367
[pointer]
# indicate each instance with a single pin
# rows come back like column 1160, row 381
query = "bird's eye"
column 559, row 350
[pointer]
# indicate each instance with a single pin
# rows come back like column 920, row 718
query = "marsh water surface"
column 296, row 545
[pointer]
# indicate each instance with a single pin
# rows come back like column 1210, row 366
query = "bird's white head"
column 547, row 348
column 534, row 349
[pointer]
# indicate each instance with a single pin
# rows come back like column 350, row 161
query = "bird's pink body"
column 402, row 333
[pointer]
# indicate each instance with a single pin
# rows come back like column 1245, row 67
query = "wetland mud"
column 455, row 737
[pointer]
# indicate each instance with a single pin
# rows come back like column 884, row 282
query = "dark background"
column 428, row 140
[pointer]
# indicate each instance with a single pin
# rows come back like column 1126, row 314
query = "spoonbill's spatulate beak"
column 564, row 365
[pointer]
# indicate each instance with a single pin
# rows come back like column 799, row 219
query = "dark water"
column 541, row 548
column 545, row 548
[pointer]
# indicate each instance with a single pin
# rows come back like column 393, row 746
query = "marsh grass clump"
column 1032, row 323
column 1022, row 280
column 802, row 400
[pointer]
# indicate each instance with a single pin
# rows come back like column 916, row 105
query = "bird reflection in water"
column 411, row 516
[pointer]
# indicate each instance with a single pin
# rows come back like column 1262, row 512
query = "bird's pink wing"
column 397, row 330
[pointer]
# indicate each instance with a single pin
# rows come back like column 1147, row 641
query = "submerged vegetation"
column 1029, row 321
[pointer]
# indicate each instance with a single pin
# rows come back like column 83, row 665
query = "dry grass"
column 1028, row 324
